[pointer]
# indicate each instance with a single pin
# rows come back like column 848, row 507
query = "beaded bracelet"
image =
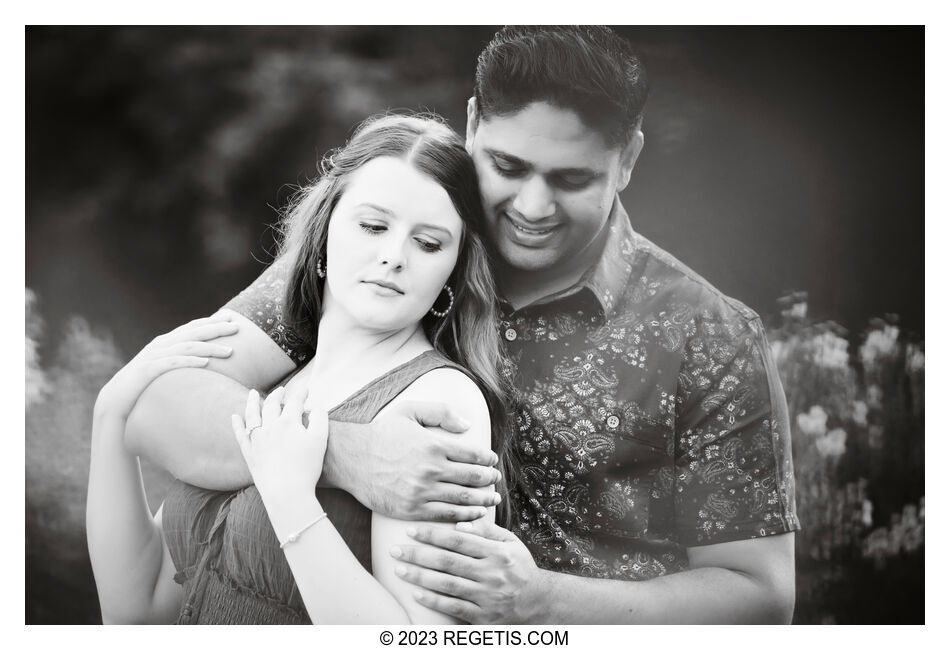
column 296, row 536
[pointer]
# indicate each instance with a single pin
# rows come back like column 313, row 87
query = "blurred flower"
column 867, row 513
column 813, row 423
column 797, row 310
column 879, row 344
column 860, row 413
column 830, row 350
column 915, row 359
column 833, row 444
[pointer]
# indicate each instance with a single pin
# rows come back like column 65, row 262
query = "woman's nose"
column 392, row 254
column 534, row 200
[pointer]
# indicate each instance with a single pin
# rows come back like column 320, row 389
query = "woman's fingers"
column 240, row 433
column 252, row 411
column 271, row 409
column 201, row 329
column 294, row 400
column 205, row 331
column 196, row 349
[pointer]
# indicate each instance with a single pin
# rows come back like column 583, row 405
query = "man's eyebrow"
column 565, row 171
column 388, row 212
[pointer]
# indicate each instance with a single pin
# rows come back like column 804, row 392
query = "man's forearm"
column 697, row 596
column 182, row 423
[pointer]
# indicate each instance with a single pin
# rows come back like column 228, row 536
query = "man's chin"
column 525, row 260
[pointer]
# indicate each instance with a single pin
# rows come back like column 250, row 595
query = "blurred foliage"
column 857, row 422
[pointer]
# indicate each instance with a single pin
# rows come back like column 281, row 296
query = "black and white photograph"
column 524, row 325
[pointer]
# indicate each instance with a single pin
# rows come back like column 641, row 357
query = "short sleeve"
column 263, row 303
column 733, row 464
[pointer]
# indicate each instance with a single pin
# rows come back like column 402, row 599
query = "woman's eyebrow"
column 388, row 212
column 377, row 208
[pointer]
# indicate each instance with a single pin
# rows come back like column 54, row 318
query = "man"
column 652, row 480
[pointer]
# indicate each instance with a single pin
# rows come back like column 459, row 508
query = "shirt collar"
column 607, row 279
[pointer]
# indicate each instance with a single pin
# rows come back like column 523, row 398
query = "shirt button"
column 613, row 422
column 511, row 334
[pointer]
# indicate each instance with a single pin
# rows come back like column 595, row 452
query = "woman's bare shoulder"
column 454, row 388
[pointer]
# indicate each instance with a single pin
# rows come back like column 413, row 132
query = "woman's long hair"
column 468, row 334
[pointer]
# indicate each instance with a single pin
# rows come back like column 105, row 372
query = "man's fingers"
column 432, row 557
column 463, row 453
column 455, row 607
column 464, row 496
column 451, row 540
column 470, row 475
column 436, row 511
column 486, row 529
column 442, row 583
column 435, row 414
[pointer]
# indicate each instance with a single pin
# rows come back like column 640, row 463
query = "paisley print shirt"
column 649, row 414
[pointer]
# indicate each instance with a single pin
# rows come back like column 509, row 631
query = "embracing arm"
column 181, row 421
column 747, row 581
column 394, row 465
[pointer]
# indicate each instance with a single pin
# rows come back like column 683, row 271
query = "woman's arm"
column 320, row 557
column 130, row 563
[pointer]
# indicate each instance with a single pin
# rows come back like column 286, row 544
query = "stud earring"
column 440, row 314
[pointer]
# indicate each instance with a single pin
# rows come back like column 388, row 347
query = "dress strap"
column 364, row 404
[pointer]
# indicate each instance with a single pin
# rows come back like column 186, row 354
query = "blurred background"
column 783, row 164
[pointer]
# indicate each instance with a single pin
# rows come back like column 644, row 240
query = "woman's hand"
column 284, row 456
column 187, row 346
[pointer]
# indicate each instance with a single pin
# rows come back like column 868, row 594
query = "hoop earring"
column 321, row 268
column 440, row 314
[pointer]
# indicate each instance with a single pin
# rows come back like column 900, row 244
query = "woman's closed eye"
column 373, row 228
column 428, row 246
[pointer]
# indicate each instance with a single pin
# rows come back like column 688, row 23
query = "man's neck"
column 522, row 287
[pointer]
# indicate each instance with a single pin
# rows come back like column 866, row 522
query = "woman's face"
column 392, row 242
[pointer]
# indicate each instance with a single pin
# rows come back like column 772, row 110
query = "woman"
column 390, row 282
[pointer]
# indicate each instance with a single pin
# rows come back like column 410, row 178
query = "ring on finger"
column 251, row 430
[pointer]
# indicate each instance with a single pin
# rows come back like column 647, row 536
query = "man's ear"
column 628, row 158
column 471, row 124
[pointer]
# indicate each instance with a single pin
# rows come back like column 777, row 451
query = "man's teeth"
column 532, row 232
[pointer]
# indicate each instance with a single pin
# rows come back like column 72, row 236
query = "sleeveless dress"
column 226, row 554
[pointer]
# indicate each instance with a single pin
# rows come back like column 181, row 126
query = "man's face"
column 548, row 183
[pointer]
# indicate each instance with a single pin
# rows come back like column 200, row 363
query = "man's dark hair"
column 588, row 69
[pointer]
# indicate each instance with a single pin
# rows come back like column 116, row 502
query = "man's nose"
column 534, row 200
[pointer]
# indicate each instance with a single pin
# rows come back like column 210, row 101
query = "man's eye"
column 572, row 182
column 428, row 246
column 507, row 171
column 372, row 228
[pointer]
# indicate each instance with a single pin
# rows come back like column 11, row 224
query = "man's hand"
column 397, row 467
column 480, row 573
